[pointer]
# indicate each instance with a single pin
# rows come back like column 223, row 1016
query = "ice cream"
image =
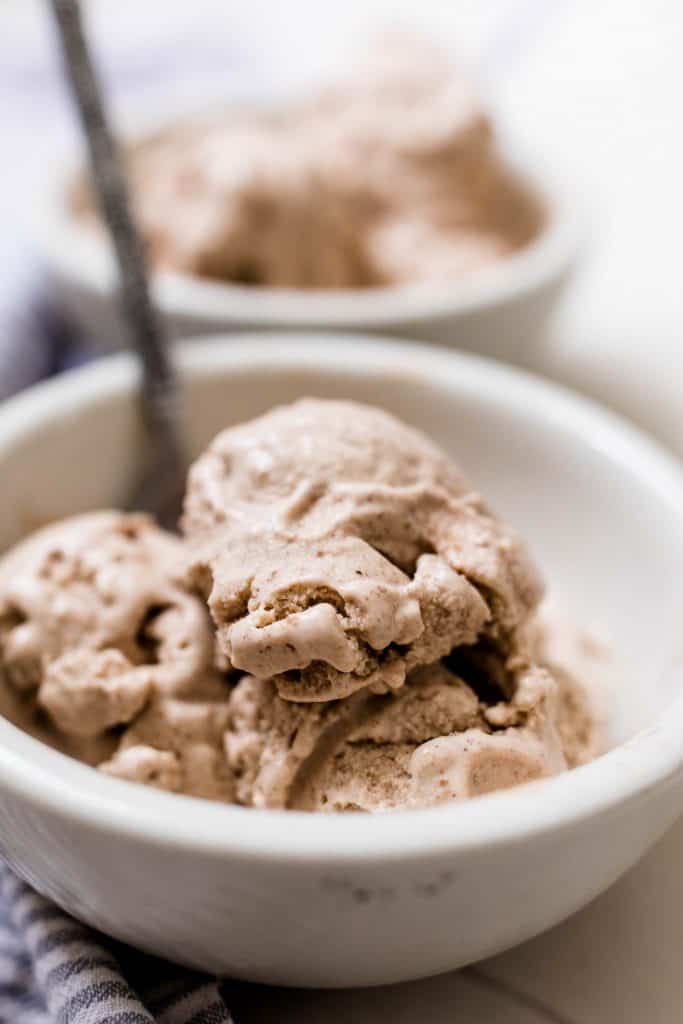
column 339, row 549
column 97, row 632
column 391, row 176
column 344, row 625
column 433, row 740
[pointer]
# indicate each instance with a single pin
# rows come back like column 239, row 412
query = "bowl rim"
column 51, row 782
column 79, row 257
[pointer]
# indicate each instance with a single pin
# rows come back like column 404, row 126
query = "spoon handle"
column 160, row 391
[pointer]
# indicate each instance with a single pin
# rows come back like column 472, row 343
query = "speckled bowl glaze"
column 351, row 899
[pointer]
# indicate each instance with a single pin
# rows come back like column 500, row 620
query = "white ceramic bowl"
column 353, row 899
column 495, row 310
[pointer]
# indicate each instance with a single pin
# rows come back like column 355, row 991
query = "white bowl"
column 497, row 309
column 342, row 900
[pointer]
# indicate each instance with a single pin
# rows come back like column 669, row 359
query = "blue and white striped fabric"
column 54, row 970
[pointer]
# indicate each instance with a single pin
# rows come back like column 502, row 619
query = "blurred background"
column 593, row 86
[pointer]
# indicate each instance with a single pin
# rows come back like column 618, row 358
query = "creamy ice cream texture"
column 345, row 625
column 338, row 549
column 98, row 635
column 391, row 176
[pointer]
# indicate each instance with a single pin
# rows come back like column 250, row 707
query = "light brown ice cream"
column 94, row 599
column 96, row 631
column 338, row 549
column 434, row 740
column 392, row 176
column 177, row 744
column 385, row 619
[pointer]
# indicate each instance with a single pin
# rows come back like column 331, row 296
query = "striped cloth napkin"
column 54, row 970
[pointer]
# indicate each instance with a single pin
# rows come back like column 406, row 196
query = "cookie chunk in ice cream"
column 338, row 549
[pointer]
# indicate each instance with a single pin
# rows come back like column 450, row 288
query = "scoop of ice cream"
column 416, row 132
column 434, row 740
column 339, row 549
column 87, row 692
column 177, row 745
column 386, row 619
column 392, row 175
column 245, row 198
column 277, row 748
column 94, row 621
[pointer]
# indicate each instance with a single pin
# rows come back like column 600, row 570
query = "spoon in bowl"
column 159, row 490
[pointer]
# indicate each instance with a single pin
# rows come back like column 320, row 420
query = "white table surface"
column 600, row 84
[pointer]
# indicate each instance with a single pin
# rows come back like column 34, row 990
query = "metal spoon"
column 159, row 492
